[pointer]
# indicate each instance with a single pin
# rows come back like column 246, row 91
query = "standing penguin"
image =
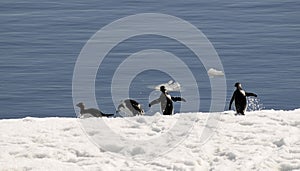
column 239, row 98
column 166, row 101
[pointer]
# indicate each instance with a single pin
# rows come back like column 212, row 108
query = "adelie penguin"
column 239, row 98
column 166, row 101
column 130, row 108
column 91, row 111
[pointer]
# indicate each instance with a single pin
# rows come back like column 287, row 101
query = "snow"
column 261, row 140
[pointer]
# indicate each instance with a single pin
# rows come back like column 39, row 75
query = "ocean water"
column 258, row 43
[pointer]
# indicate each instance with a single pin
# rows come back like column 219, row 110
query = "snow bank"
column 261, row 140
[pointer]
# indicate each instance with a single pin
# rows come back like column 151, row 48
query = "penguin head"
column 163, row 89
column 238, row 85
column 80, row 105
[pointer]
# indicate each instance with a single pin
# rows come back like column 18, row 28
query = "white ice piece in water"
column 214, row 72
column 170, row 86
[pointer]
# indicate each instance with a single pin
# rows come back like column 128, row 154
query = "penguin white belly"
column 243, row 92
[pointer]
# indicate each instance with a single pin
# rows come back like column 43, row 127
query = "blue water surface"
column 258, row 43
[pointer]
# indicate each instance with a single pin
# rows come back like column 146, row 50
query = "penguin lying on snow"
column 130, row 108
column 92, row 111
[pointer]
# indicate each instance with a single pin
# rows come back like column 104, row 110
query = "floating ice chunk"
column 213, row 72
column 170, row 86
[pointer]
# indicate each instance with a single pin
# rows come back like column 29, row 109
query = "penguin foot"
column 239, row 114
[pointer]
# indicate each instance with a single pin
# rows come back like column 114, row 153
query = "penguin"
column 91, row 111
column 166, row 101
column 130, row 107
column 239, row 98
